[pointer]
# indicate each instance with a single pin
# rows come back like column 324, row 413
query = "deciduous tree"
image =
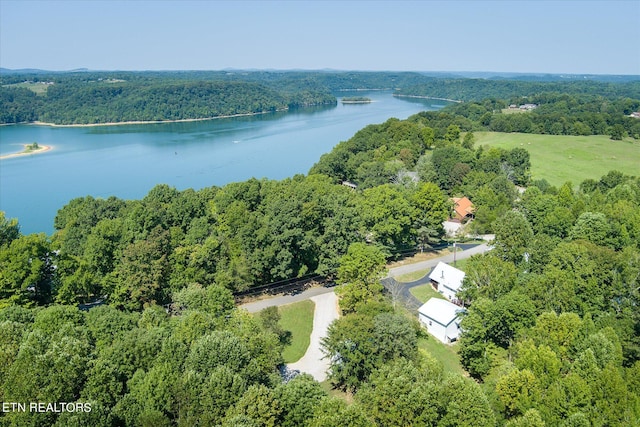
column 358, row 274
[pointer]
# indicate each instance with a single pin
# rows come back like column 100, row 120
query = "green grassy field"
column 298, row 319
column 412, row 277
column 425, row 292
column 559, row 158
column 39, row 88
column 446, row 354
column 514, row 111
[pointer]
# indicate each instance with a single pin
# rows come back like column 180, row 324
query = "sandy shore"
column 27, row 152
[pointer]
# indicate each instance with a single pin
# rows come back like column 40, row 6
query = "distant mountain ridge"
column 38, row 71
column 487, row 75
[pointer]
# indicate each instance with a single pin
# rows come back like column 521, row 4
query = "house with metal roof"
column 442, row 319
column 447, row 280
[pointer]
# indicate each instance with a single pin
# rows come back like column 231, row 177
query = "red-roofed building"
column 462, row 209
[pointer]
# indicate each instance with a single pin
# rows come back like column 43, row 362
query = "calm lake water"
column 128, row 160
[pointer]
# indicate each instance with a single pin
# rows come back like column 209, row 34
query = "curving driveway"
column 326, row 310
column 256, row 306
column 313, row 362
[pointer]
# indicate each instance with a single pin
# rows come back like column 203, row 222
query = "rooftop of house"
column 463, row 206
column 440, row 310
column 448, row 276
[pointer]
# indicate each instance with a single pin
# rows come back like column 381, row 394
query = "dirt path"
column 313, row 361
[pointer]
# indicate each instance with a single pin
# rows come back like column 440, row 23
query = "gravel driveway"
column 313, row 361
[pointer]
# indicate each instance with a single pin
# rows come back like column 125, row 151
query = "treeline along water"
column 126, row 161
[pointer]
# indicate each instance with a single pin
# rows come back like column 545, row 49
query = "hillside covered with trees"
column 129, row 305
column 94, row 98
column 464, row 89
column 90, row 97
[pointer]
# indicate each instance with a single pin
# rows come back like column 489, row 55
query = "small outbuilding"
column 447, row 280
column 350, row 184
column 442, row 319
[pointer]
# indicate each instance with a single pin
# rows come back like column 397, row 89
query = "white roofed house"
column 447, row 280
column 442, row 319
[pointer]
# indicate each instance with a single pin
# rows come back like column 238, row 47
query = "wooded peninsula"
column 129, row 306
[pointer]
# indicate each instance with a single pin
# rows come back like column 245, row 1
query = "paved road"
column 424, row 265
column 254, row 307
column 402, row 291
column 313, row 361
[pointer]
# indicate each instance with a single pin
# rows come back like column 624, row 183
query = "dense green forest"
column 242, row 235
column 88, row 98
column 439, row 145
column 553, row 327
column 102, row 97
column 478, row 89
column 555, row 114
column 129, row 306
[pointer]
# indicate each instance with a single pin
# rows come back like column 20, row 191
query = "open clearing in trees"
column 561, row 158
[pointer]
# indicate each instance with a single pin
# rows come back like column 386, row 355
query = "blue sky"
column 580, row 37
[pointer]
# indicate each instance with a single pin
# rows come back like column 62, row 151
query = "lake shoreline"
column 27, row 151
column 427, row 97
column 150, row 122
column 128, row 161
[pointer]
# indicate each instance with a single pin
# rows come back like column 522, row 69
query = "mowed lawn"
column 445, row 354
column 559, row 158
column 425, row 292
column 297, row 318
column 413, row 276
